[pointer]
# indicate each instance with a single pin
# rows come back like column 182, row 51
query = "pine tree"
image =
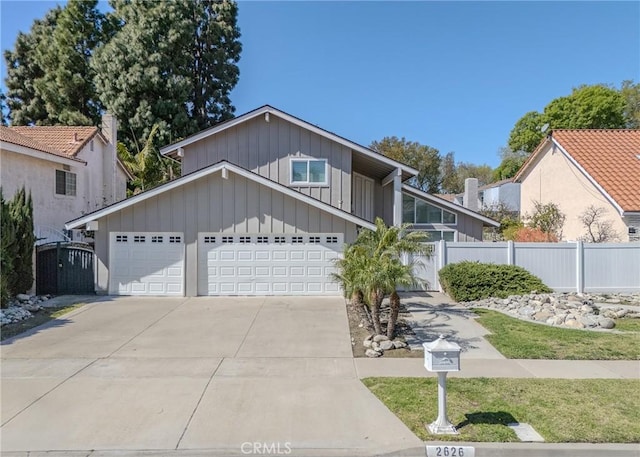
column 172, row 64
column 66, row 86
column 25, row 104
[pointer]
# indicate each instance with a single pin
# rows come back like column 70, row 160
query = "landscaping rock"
column 605, row 322
column 571, row 310
column 371, row 353
column 379, row 338
column 367, row 343
column 387, row 345
column 23, row 297
column 399, row 344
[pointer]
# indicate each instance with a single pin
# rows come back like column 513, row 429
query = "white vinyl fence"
column 565, row 267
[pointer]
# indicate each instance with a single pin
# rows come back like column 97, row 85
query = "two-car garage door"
column 227, row 264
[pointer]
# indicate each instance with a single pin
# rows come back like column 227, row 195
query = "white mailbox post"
column 442, row 356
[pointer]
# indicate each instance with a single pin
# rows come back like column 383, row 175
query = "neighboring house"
column 265, row 204
column 69, row 170
column 576, row 169
column 489, row 196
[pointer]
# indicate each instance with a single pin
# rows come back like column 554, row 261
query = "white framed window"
column 415, row 211
column 437, row 235
column 309, row 172
column 65, row 183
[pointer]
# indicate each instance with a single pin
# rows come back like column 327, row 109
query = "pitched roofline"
column 588, row 176
column 450, row 205
column 166, row 150
column 43, row 155
column 551, row 141
column 75, row 223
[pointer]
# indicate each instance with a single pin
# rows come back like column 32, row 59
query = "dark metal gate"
column 63, row 269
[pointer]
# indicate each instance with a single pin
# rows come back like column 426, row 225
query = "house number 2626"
column 450, row 451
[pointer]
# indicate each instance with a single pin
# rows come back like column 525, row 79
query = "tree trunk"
column 376, row 302
column 357, row 301
column 394, row 304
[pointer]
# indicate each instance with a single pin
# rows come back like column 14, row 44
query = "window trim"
column 307, row 182
column 455, row 234
column 442, row 210
column 66, row 174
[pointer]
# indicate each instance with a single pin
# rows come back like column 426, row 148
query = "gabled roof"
column 66, row 139
column 11, row 136
column 172, row 148
column 438, row 200
column 223, row 165
column 609, row 158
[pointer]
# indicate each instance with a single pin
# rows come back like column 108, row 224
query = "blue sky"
column 453, row 75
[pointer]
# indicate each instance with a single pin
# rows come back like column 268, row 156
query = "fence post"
column 442, row 261
column 579, row 266
column 511, row 253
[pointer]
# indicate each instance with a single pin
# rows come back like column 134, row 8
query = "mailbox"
column 441, row 355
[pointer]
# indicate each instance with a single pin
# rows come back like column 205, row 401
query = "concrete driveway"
column 199, row 376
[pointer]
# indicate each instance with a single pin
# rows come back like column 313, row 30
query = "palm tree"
column 148, row 167
column 379, row 267
column 349, row 268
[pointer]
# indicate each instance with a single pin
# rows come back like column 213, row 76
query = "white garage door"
column 258, row 264
column 146, row 263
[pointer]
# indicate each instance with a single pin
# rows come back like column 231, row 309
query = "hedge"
column 467, row 281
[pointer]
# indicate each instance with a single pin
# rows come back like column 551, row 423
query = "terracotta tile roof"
column 9, row 135
column 67, row 139
column 610, row 157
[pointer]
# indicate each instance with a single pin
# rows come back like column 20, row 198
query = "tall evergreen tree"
column 7, row 250
column 66, row 86
column 171, row 64
column 25, row 104
column 21, row 211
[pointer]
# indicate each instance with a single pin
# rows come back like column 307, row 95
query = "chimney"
column 471, row 194
column 110, row 128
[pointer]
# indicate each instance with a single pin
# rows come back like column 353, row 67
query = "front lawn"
column 562, row 411
column 517, row 339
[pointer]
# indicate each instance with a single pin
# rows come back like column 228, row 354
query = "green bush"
column 467, row 281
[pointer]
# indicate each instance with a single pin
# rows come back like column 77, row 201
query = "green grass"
column 40, row 317
column 517, row 339
column 562, row 411
column 628, row 325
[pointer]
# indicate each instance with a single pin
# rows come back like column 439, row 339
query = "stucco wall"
column 39, row 176
column 555, row 179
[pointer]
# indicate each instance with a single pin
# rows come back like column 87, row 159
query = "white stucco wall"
column 555, row 179
column 38, row 176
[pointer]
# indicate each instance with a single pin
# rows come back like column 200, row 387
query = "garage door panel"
column 258, row 264
column 146, row 263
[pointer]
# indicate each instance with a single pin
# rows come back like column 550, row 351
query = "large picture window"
column 309, row 171
column 65, row 183
column 415, row 211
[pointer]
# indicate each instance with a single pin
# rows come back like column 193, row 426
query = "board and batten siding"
column 215, row 204
column 266, row 149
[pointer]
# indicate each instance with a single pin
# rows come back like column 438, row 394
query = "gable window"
column 308, row 171
column 65, row 183
column 416, row 211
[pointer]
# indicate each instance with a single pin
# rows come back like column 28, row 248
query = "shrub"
column 467, row 281
column 530, row 235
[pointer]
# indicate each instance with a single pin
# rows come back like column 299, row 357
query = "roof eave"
column 172, row 149
column 450, row 205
